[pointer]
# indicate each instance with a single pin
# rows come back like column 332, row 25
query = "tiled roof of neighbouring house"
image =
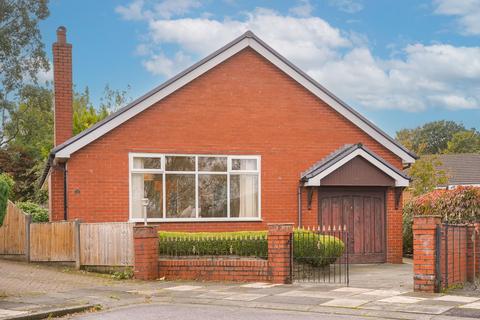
column 461, row 169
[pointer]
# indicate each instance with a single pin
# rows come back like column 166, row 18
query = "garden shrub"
column 460, row 205
column 6, row 186
column 38, row 213
column 242, row 243
column 407, row 230
column 312, row 248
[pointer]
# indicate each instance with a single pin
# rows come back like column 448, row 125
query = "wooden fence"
column 13, row 232
column 106, row 244
column 85, row 244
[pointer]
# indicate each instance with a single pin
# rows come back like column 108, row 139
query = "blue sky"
column 400, row 63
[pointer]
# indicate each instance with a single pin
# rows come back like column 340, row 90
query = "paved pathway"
column 45, row 288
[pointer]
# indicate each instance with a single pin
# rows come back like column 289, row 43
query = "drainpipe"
column 65, row 198
column 299, row 198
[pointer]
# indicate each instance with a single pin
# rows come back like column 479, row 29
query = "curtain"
column 138, row 190
column 248, row 190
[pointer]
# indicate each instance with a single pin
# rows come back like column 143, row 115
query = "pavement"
column 27, row 290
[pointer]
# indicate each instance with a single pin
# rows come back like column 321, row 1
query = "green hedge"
column 243, row 243
column 6, row 186
column 38, row 213
column 311, row 248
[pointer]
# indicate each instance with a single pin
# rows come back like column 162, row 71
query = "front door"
column 362, row 211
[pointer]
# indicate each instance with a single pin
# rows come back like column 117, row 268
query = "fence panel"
column 13, row 231
column 106, row 244
column 53, row 241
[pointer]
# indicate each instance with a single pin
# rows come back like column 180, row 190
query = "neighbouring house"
column 462, row 169
column 240, row 139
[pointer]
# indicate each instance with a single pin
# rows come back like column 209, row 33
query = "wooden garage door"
column 363, row 212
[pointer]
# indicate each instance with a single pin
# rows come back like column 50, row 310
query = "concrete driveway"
column 383, row 276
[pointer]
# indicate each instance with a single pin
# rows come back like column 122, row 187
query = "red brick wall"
column 243, row 106
column 63, row 124
column 214, row 270
column 145, row 244
column 457, row 254
column 277, row 269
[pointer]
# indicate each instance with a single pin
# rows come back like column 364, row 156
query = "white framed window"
column 184, row 187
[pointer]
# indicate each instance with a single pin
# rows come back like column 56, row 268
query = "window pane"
column 147, row 186
column 147, row 163
column 244, row 164
column 244, row 195
column 212, row 164
column 180, row 193
column 174, row 163
column 212, row 195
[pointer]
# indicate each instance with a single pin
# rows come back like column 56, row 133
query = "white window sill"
column 152, row 220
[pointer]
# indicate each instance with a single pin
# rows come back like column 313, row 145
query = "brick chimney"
column 62, row 82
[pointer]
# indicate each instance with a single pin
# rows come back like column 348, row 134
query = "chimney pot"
column 61, row 34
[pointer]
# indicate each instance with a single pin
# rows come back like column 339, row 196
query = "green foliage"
column 431, row 138
column 426, row 175
column 316, row 249
column 460, row 205
column 407, row 228
column 464, row 142
column 311, row 248
column 127, row 273
column 242, row 243
column 38, row 213
column 6, row 185
column 22, row 53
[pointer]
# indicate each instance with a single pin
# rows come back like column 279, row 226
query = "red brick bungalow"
column 238, row 140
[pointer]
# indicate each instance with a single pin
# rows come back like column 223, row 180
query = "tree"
column 426, row 175
column 464, row 142
column 22, row 53
column 29, row 132
column 431, row 138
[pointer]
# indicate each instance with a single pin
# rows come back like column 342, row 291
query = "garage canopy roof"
column 375, row 170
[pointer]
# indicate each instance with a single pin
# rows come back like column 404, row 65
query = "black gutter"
column 65, row 198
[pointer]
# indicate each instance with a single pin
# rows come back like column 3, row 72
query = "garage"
column 355, row 189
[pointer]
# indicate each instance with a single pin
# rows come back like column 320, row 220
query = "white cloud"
column 159, row 64
column 304, row 9
column 466, row 11
column 418, row 77
column 44, row 76
column 349, row 6
column 134, row 11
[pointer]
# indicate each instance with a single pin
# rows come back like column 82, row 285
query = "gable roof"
column 341, row 156
column 461, row 169
column 250, row 40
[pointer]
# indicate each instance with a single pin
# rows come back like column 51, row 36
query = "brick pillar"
column 424, row 253
column 279, row 252
column 394, row 227
column 145, row 240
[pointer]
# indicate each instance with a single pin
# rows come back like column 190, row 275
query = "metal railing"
column 321, row 255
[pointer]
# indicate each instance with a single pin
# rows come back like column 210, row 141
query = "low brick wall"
column 214, row 269
column 444, row 255
column 277, row 269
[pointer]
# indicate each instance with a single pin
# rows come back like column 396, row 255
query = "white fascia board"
column 182, row 81
column 399, row 180
column 331, row 102
column 255, row 45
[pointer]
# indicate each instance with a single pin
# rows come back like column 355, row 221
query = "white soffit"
column 399, row 180
column 181, row 81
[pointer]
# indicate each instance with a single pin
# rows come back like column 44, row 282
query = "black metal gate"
column 321, row 255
